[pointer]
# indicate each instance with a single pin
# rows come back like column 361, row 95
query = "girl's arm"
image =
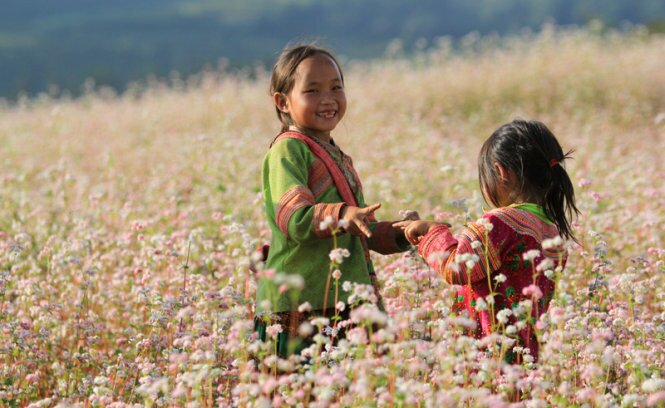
column 466, row 258
column 388, row 237
column 297, row 214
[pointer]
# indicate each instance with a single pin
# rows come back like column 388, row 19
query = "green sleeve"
column 290, row 202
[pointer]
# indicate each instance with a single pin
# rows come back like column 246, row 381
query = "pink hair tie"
column 553, row 163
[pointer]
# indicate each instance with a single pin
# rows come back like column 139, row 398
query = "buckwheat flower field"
column 127, row 225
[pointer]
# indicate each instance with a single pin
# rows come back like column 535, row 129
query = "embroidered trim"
column 323, row 210
column 359, row 184
column 344, row 163
column 341, row 182
column 441, row 240
column 475, row 232
column 293, row 200
column 526, row 223
column 429, row 239
column 319, row 180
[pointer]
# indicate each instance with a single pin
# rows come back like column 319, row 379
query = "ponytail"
column 559, row 198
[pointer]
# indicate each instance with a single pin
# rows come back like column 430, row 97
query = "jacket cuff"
column 439, row 239
column 385, row 240
column 323, row 211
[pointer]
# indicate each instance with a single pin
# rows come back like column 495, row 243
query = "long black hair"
column 531, row 151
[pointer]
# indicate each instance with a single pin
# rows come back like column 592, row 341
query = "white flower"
column 320, row 321
column 408, row 215
column 484, row 222
column 295, row 281
column 305, row 307
column 609, row 356
column 511, row 329
column 500, row 278
column 552, row 242
column 369, row 313
column 340, row 306
column 346, row 286
column 256, row 257
column 437, row 257
column 653, row 384
column 481, row 304
column 530, row 255
column 343, row 224
column 326, row 223
column 549, row 273
column 545, row 264
column 337, row 274
column 503, row 315
column 337, row 255
column 469, row 260
column 305, row 329
column 476, row 244
column 265, row 305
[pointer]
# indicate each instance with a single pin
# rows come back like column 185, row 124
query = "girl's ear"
column 281, row 102
column 501, row 171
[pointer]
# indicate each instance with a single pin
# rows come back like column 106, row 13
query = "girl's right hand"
column 415, row 230
column 357, row 219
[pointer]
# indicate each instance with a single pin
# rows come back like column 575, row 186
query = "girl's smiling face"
column 317, row 102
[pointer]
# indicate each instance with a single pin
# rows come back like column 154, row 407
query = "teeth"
column 327, row 115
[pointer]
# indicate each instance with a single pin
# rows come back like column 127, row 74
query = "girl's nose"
column 327, row 97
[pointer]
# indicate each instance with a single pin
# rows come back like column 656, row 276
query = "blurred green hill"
column 57, row 45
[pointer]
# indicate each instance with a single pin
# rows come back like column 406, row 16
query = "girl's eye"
column 310, row 90
column 337, row 88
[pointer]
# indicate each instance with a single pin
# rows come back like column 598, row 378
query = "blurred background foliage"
column 56, row 46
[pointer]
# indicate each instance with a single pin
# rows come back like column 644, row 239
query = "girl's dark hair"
column 533, row 154
column 284, row 70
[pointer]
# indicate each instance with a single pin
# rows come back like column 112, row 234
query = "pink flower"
column 137, row 225
column 30, row 378
column 583, row 183
column 273, row 330
column 656, row 399
column 532, row 291
column 266, row 273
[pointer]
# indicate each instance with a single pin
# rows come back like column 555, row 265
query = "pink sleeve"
column 441, row 251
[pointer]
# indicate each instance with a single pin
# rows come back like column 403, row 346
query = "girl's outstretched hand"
column 357, row 219
column 415, row 230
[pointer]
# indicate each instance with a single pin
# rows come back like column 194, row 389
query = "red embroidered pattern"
column 319, row 179
column 323, row 210
column 476, row 232
column 514, row 233
column 294, row 199
column 341, row 182
column 528, row 224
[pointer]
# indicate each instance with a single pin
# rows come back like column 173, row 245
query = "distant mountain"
column 62, row 43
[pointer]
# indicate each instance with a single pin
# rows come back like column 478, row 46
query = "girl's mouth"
column 327, row 114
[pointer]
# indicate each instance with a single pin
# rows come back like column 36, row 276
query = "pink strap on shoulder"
column 334, row 170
